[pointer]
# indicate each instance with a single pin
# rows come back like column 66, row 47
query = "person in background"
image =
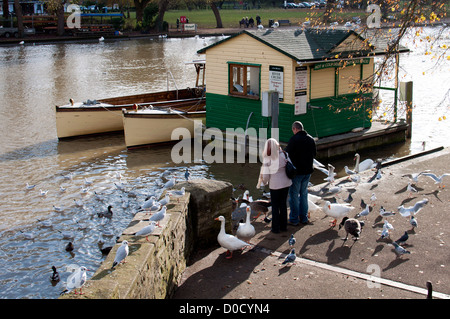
column 273, row 173
column 301, row 149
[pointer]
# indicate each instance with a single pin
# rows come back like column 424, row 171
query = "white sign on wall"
column 301, row 77
column 276, row 80
column 300, row 102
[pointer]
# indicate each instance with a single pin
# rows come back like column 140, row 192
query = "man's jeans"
column 299, row 205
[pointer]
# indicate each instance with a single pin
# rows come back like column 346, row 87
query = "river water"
column 34, row 78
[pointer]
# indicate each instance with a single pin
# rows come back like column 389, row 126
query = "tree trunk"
column 5, row 9
column 217, row 15
column 162, row 5
column 61, row 19
column 18, row 9
column 140, row 6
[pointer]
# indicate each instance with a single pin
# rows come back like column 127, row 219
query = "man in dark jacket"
column 302, row 151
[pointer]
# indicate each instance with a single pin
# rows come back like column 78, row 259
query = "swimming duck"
column 227, row 241
column 336, row 211
column 55, row 276
column 246, row 230
column 107, row 214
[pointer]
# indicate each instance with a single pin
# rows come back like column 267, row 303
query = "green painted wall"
column 334, row 115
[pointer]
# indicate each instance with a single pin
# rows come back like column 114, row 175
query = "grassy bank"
column 230, row 18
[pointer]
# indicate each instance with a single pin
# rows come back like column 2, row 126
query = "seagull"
column 384, row 213
column 121, row 254
column 290, row 258
column 292, row 241
column 43, row 193
column 57, row 208
column 410, row 189
column 336, row 211
column 147, row 230
column 415, row 176
column 169, row 183
column 349, row 171
column 384, row 233
column 76, row 280
column 437, row 179
column 45, row 223
column 28, row 235
column 403, row 238
column 107, row 214
column 149, row 202
column 78, row 202
column 178, row 193
column 29, row 187
column 165, row 200
column 412, row 210
column 87, row 181
column 413, row 221
column 55, row 275
column 330, row 173
column 62, row 189
column 22, row 42
column 388, row 225
column 352, row 226
column 159, row 215
column 119, row 186
column 399, row 250
column 228, row 241
column 364, row 212
column 373, row 198
column 101, row 39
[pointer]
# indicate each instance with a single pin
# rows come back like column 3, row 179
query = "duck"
column 228, row 241
column 107, row 214
column 336, row 211
column 352, row 226
column 246, row 230
column 54, row 277
column 69, row 246
column 364, row 165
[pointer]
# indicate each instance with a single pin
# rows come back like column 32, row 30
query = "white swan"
column 227, row 241
column 246, row 230
column 364, row 165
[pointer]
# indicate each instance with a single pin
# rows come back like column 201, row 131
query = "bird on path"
column 178, row 193
column 410, row 189
column 437, row 179
column 336, row 211
column 228, row 241
column 412, row 210
column 292, row 241
column 399, row 250
column 413, row 222
column 364, row 212
column 246, row 230
column 148, row 203
column 330, row 173
column 402, row 240
column 165, row 200
column 384, row 213
column 415, row 176
column 76, row 280
column 147, row 230
column 290, row 258
column 352, row 226
column 121, row 254
column 349, row 171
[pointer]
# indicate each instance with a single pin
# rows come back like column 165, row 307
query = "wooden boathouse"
column 320, row 76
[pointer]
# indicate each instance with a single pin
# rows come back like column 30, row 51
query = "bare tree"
column 18, row 9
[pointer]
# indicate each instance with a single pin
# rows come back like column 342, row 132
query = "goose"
column 227, row 241
column 76, row 280
column 147, row 230
column 246, row 230
column 121, row 254
column 336, row 211
column 364, row 165
column 352, row 226
column 54, row 277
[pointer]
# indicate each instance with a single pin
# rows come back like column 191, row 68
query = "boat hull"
column 80, row 119
column 147, row 129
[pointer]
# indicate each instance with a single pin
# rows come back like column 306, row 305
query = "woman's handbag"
column 290, row 168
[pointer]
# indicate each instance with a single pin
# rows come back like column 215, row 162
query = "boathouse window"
column 244, row 80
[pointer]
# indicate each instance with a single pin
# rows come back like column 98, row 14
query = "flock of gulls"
column 338, row 211
column 151, row 205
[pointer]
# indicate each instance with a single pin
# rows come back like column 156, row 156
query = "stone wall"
column 154, row 266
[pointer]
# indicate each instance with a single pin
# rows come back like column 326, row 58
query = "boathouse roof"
column 320, row 44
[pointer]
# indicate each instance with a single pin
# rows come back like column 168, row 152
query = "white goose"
column 227, row 241
column 336, row 211
column 246, row 230
column 364, row 165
